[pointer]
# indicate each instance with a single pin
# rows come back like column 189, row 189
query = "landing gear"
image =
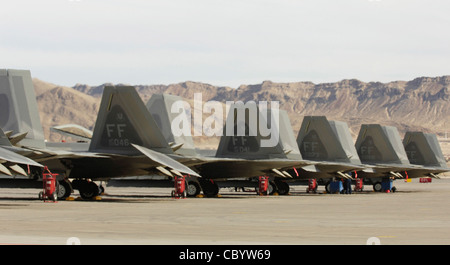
column 209, row 187
column 64, row 189
column 88, row 189
column 377, row 186
column 282, row 187
column 384, row 186
column 272, row 188
column 327, row 187
column 193, row 188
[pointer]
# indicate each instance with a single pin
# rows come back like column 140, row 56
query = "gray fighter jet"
column 123, row 142
column 330, row 145
column 239, row 159
column 423, row 149
column 336, row 156
column 381, row 150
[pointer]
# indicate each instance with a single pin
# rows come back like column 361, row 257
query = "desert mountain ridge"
column 422, row 104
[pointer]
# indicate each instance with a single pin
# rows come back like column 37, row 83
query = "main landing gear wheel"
column 63, row 189
column 282, row 187
column 88, row 189
column 377, row 187
column 272, row 188
column 209, row 187
column 193, row 189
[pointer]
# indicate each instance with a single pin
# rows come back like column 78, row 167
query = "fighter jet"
column 329, row 143
column 424, row 149
column 381, row 150
column 239, row 159
column 123, row 142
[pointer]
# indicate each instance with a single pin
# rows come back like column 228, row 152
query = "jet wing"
column 166, row 161
column 8, row 156
column 12, row 159
column 324, row 166
column 43, row 155
column 380, row 170
column 425, row 172
column 226, row 168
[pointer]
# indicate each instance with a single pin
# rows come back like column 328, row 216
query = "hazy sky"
column 225, row 42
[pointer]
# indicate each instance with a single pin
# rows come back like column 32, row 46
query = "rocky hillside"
column 420, row 104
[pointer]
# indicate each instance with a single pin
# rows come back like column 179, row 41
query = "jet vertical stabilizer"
column 123, row 120
column 160, row 107
column 244, row 139
column 378, row 144
column 323, row 140
column 424, row 149
column 18, row 107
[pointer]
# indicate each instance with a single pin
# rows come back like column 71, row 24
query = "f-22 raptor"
column 123, row 142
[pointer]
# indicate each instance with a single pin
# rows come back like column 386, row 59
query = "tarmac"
column 416, row 214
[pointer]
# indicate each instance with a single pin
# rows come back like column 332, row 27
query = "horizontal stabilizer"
column 73, row 130
column 165, row 161
column 175, row 147
column 17, row 138
column 8, row 133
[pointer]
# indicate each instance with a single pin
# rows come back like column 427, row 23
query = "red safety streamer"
column 295, row 171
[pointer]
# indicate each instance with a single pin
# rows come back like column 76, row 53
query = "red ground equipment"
column 49, row 186
column 312, row 186
column 359, row 184
column 425, row 180
column 180, row 187
column 263, row 185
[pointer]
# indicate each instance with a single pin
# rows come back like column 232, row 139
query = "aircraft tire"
column 193, row 189
column 210, row 189
column 282, row 188
column 377, row 186
column 64, row 189
column 88, row 190
column 272, row 188
column 327, row 186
